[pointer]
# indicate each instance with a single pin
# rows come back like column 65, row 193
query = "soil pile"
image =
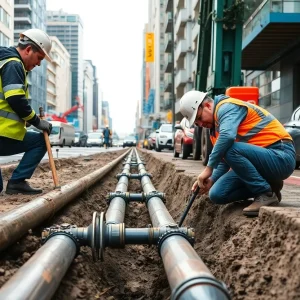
column 256, row 258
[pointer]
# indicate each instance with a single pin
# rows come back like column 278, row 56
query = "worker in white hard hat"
column 34, row 45
column 252, row 153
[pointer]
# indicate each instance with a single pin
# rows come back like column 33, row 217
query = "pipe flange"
column 98, row 232
column 169, row 233
column 111, row 196
column 69, row 234
column 145, row 174
column 123, row 174
column 201, row 280
column 161, row 196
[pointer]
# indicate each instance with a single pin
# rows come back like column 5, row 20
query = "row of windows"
column 4, row 40
column 5, row 18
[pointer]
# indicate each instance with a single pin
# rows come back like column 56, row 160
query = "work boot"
column 276, row 187
column 266, row 199
column 22, row 187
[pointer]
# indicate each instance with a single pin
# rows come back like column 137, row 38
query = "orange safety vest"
column 258, row 128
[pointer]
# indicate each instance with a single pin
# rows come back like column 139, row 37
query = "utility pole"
column 173, row 68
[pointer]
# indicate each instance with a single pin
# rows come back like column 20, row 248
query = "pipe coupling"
column 63, row 229
column 187, row 233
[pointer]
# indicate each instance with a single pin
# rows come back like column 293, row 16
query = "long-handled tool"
column 49, row 150
column 193, row 197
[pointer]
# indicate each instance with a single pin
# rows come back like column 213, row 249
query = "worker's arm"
column 229, row 116
column 219, row 171
column 13, row 82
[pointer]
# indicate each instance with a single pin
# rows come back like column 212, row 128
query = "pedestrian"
column 106, row 136
column 34, row 45
column 252, row 152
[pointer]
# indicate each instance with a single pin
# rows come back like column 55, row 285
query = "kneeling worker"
column 252, row 152
column 34, row 45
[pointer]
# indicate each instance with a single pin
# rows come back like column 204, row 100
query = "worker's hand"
column 207, row 185
column 45, row 126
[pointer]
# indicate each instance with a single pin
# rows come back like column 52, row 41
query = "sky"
column 113, row 40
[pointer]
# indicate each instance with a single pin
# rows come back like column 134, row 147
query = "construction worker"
column 34, row 45
column 106, row 136
column 252, row 152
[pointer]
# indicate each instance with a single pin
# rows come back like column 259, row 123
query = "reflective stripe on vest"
column 11, row 125
column 258, row 128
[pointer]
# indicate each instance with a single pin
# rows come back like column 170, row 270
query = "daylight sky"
column 113, row 40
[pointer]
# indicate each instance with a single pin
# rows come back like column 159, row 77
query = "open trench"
column 256, row 258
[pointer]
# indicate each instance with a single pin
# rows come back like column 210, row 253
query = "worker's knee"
column 217, row 196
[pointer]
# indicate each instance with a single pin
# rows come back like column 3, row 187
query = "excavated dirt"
column 256, row 258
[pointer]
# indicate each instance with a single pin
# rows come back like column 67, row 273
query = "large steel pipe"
column 188, row 276
column 40, row 276
column 15, row 223
column 116, row 211
column 158, row 212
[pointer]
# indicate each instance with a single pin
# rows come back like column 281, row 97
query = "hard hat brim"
column 193, row 117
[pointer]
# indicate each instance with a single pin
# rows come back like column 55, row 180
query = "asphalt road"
column 61, row 153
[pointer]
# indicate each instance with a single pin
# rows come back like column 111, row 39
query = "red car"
column 183, row 139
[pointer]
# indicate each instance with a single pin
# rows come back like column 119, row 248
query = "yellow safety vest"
column 11, row 125
column 259, row 127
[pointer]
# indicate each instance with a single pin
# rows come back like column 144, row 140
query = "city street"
column 60, row 153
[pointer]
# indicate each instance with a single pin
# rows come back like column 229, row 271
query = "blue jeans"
column 34, row 147
column 252, row 167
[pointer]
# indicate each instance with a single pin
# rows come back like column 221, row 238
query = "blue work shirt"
column 230, row 116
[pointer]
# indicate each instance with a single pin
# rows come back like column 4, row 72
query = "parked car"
column 94, row 139
column 62, row 134
column 129, row 141
column 183, row 139
column 80, row 139
column 293, row 128
column 151, row 140
column 164, row 137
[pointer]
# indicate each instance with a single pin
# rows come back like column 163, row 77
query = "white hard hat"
column 189, row 104
column 39, row 38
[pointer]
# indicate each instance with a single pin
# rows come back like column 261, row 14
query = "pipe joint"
column 161, row 196
column 63, row 229
column 187, row 233
column 124, row 195
column 207, row 284
column 133, row 176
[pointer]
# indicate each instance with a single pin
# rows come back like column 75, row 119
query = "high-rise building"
column 69, row 30
column 32, row 14
column 6, row 22
column 58, row 78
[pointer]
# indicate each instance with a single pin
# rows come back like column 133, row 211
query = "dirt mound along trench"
column 256, row 258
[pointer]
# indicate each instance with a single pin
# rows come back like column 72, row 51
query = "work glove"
column 45, row 126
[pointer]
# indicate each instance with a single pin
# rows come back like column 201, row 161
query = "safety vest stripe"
column 258, row 111
column 10, row 115
column 258, row 127
column 30, row 116
column 11, row 87
column 3, row 62
column 14, row 93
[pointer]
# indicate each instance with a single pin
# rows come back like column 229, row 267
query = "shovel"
column 49, row 150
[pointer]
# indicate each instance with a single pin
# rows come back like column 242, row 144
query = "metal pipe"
column 115, row 213
column 15, row 223
column 188, row 276
column 41, row 275
column 158, row 212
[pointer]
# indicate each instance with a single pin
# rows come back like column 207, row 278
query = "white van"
column 62, row 134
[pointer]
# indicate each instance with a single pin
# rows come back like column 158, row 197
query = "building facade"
column 270, row 55
column 32, row 14
column 6, row 23
column 69, row 30
column 58, row 79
